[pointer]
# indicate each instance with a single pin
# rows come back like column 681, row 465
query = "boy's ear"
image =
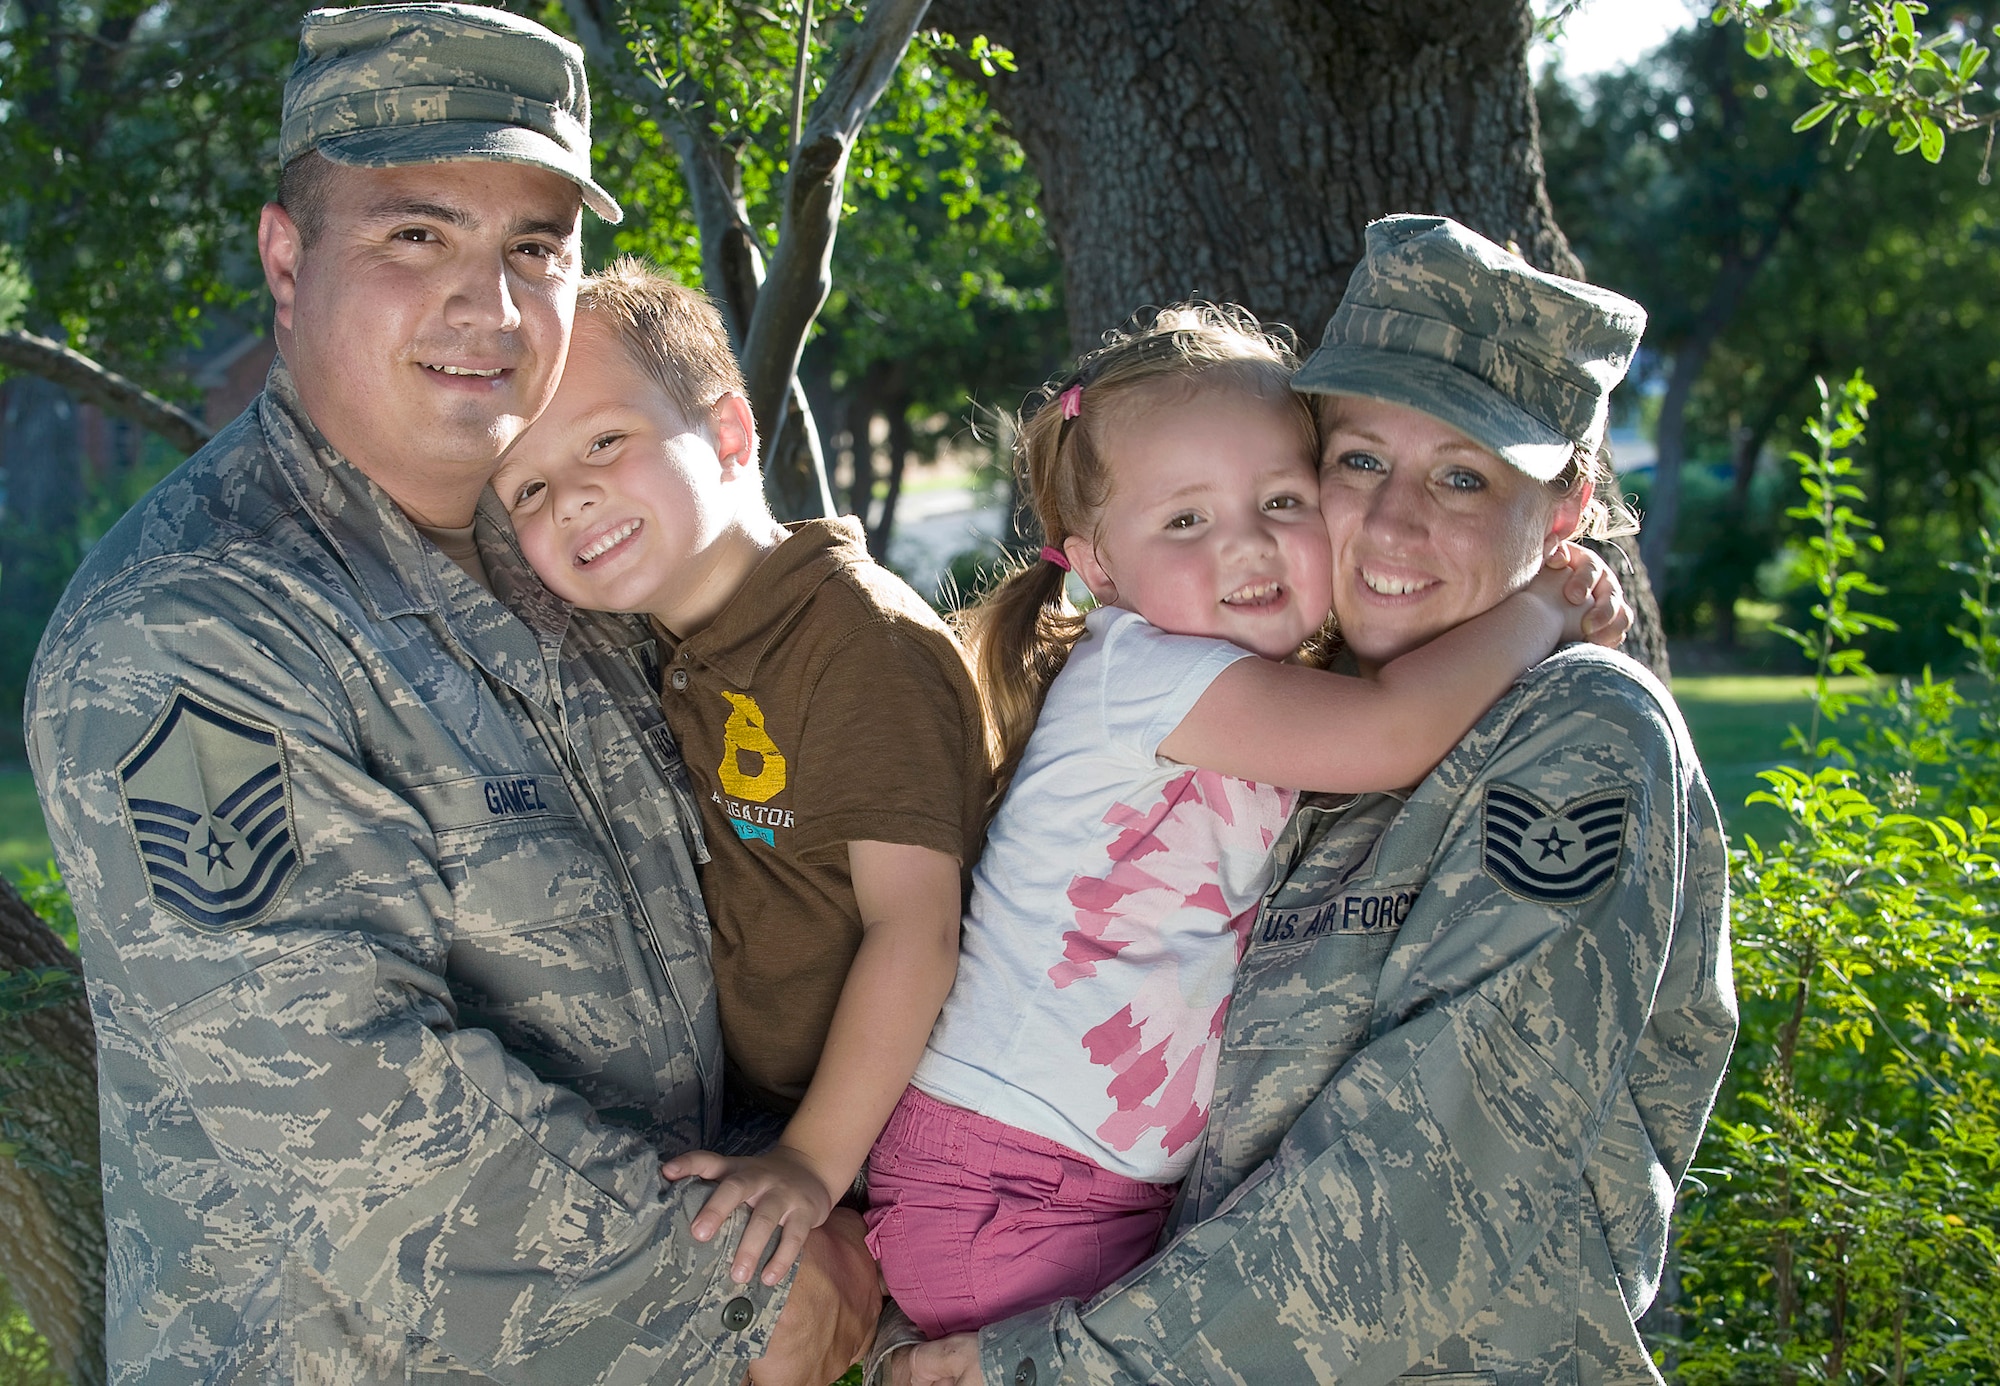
column 735, row 434
column 1084, row 562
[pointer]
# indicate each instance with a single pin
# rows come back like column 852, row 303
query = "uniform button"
column 680, row 678
column 736, row 1316
column 1024, row 1375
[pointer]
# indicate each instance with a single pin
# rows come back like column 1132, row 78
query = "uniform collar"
column 762, row 611
column 396, row 571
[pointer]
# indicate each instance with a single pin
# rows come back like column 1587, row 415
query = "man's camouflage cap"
column 387, row 85
column 1441, row 320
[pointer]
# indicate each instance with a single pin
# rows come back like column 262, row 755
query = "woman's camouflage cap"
column 387, row 85
column 1441, row 320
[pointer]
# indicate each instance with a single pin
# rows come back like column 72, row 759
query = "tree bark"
column 51, row 1203
column 1237, row 149
column 101, row 386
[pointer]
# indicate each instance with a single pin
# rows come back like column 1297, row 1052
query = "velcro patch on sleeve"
column 209, row 799
column 1552, row 856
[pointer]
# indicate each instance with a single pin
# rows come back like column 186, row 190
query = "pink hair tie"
column 1051, row 554
column 1072, row 405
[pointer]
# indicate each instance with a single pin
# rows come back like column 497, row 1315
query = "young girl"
column 1149, row 753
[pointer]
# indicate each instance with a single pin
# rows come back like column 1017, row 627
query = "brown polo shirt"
column 826, row 704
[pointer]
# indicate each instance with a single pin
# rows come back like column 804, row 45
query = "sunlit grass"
column 1739, row 723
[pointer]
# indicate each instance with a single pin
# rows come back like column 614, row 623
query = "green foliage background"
column 1843, row 1224
column 1661, row 173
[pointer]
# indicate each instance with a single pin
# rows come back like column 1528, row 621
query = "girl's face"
column 1429, row 528
column 1212, row 526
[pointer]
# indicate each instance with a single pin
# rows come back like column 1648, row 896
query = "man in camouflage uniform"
column 382, row 858
column 1478, row 1027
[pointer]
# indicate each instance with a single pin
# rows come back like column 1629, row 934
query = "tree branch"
column 732, row 255
column 732, row 260
column 801, row 270
column 103, row 387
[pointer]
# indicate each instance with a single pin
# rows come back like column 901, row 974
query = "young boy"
column 829, row 723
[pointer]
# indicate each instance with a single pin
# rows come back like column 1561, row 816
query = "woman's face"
column 1428, row 528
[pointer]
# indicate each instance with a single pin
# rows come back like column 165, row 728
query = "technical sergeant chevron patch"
column 1553, row 856
column 210, row 801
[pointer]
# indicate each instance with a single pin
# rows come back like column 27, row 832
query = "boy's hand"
column 783, row 1191
column 1593, row 602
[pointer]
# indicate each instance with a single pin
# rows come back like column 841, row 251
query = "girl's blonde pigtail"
column 1019, row 635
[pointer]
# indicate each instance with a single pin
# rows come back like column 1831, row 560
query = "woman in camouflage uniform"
column 1478, row 1026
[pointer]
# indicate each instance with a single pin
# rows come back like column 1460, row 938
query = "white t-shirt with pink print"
column 1108, row 912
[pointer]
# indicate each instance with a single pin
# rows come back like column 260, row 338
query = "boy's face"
column 1212, row 525
column 618, row 501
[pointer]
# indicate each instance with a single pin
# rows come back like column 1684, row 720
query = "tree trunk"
column 861, row 485
column 51, row 1204
column 1237, row 149
column 1725, row 297
column 901, row 440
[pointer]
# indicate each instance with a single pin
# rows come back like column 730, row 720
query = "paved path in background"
column 933, row 527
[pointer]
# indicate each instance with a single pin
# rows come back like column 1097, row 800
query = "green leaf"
column 1757, row 43
column 1813, row 117
column 1906, row 23
column 1932, row 138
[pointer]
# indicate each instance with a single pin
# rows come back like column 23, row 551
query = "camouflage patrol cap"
column 386, row 85
column 1441, row 320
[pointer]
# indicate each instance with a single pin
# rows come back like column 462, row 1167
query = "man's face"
column 426, row 324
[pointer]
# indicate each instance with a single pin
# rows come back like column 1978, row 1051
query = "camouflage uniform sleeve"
column 1519, row 1038
column 312, row 1050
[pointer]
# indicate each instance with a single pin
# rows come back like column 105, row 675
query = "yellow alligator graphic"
column 744, row 731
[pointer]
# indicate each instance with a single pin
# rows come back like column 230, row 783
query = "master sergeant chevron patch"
column 1559, row 856
column 210, row 801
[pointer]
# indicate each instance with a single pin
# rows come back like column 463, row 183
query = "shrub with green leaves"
column 1843, row 1222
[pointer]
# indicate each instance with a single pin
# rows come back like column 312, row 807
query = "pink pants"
column 975, row 1221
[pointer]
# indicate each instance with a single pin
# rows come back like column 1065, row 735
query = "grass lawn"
column 1739, row 724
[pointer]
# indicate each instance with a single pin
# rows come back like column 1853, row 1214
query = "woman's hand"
column 952, row 1361
column 1592, row 601
column 783, row 1190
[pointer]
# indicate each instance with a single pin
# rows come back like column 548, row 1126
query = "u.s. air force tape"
column 210, row 803
column 1553, row 856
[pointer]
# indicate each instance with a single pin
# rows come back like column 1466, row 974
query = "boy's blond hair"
column 671, row 332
